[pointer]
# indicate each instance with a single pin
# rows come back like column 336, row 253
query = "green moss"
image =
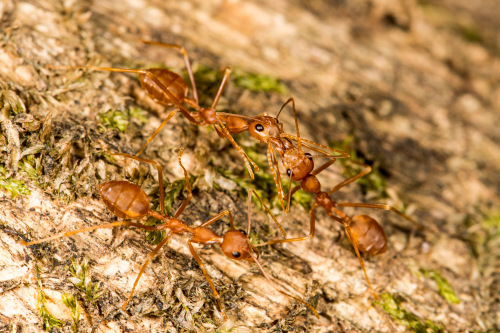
column 28, row 165
column 118, row 119
column 139, row 114
column 444, row 288
column 391, row 304
column 14, row 186
column 172, row 192
column 70, row 301
column 208, row 81
column 49, row 321
column 82, row 279
column 258, row 82
column 484, row 238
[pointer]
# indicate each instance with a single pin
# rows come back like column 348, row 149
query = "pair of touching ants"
column 128, row 201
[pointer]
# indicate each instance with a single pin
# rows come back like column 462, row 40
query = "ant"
column 169, row 89
column 363, row 232
column 128, row 201
column 269, row 130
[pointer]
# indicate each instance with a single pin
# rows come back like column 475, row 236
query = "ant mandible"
column 169, row 89
column 128, row 201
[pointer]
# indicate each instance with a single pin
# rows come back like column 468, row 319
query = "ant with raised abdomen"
column 128, row 201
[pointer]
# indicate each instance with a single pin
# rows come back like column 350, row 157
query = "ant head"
column 265, row 128
column 209, row 115
column 235, row 245
column 297, row 163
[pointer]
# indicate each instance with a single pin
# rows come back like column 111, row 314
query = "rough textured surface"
column 416, row 86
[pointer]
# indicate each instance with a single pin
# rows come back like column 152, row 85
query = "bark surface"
column 412, row 88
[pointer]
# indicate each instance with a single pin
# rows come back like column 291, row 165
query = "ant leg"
column 102, row 226
column 322, row 149
column 159, row 169
column 273, row 165
column 202, row 266
column 280, row 291
column 218, row 217
column 322, row 167
column 298, row 239
column 367, row 169
column 184, row 53
column 150, row 139
column 289, row 196
column 250, row 192
column 143, row 267
column 188, row 186
column 223, row 83
column 247, row 159
column 145, row 72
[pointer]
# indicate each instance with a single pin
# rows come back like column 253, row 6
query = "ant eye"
column 309, row 156
column 243, row 232
column 259, row 127
column 236, row 254
column 289, row 172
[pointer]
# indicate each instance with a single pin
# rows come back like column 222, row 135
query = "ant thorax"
column 209, row 115
column 297, row 163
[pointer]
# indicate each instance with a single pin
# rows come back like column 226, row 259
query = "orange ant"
column 169, row 89
column 270, row 131
column 128, row 201
column 363, row 232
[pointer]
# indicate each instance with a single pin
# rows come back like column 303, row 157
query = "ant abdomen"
column 124, row 199
column 171, row 81
column 368, row 234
